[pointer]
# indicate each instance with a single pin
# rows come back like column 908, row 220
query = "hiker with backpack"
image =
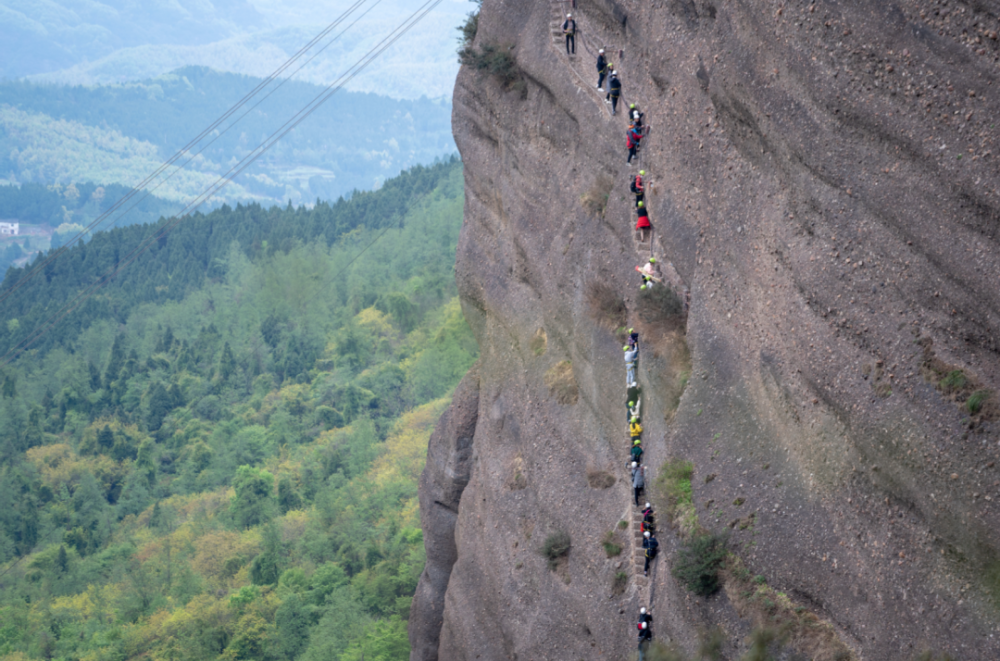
column 602, row 70
column 644, row 616
column 630, row 356
column 652, row 546
column 635, row 115
column 633, row 136
column 645, row 636
column 637, row 188
column 614, row 91
column 633, row 408
column 647, row 524
column 637, row 451
column 649, row 273
column 638, row 480
column 569, row 29
column 642, row 224
column 634, row 429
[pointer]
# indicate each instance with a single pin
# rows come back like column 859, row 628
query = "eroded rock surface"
column 823, row 179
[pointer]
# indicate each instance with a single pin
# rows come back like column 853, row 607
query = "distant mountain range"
column 73, row 42
column 119, row 133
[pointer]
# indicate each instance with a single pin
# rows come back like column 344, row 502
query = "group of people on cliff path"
column 647, row 527
column 649, row 274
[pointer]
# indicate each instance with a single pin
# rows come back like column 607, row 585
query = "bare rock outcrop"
column 822, row 177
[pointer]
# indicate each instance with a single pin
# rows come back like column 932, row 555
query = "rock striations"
column 823, row 184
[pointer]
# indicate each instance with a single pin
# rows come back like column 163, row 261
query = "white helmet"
column 614, row 73
column 643, row 625
column 569, row 15
column 642, row 611
column 646, row 534
column 647, row 505
column 601, row 51
column 634, row 464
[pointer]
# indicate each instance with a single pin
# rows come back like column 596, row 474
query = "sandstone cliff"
column 825, row 186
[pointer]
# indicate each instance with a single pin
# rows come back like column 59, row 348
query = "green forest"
column 105, row 133
column 217, row 455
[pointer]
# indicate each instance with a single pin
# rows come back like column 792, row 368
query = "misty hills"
column 118, row 133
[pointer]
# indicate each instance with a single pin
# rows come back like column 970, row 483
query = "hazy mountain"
column 120, row 133
column 79, row 42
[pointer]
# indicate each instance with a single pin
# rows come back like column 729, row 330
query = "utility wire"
column 219, row 184
column 194, row 141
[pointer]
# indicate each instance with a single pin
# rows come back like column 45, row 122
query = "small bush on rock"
column 555, row 547
column 699, row 561
column 607, row 308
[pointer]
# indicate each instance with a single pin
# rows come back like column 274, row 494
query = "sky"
column 113, row 41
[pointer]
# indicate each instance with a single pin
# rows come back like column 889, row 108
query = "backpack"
column 647, row 525
column 632, row 186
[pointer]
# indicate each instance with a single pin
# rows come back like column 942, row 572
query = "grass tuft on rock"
column 595, row 200
column 556, row 547
column 610, row 547
column 674, row 482
column 561, row 383
column 597, row 479
column 619, row 583
column 606, row 306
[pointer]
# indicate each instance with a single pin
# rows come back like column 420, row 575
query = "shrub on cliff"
column 493, row 60
column 699, row 561
column 556, row 546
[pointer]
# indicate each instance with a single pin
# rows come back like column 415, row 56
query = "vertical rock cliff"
column 824, row 191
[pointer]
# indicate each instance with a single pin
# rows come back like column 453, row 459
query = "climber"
column 634, row 429
column 637, row 451
column 638, row 480
column 633, row 137
column 643, row 225
column 645, row 616
column 614, row 91
column 630, row 356
column 647, row 520
column 637, row 188
column 633, row 339
column 602, row 70
column 651, row 546
column 647, row 511
column 569, row 29
column 649, row 273
column 645, row 636
column 635, row 115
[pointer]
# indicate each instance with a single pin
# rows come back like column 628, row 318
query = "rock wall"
column 823, row 182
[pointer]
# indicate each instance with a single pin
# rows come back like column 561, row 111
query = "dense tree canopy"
column 217, row 456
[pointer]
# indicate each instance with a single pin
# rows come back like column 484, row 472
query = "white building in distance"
column 9, row 229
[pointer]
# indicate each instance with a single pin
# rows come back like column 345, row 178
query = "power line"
column 352, row 71
column 194, row 141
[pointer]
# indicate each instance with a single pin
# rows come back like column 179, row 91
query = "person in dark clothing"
column 614, row 91
column 652, row 546
column 645, row 636
column 638, row 189
column 635, row 115
column 602, row 70
column 569, row 29
column 644, row 616
column 637, row 451
column 634, row 136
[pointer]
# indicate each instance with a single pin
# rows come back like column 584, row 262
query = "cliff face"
column 823, row 185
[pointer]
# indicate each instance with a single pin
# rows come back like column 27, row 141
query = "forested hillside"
column 57, row 133
column 217, row 456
